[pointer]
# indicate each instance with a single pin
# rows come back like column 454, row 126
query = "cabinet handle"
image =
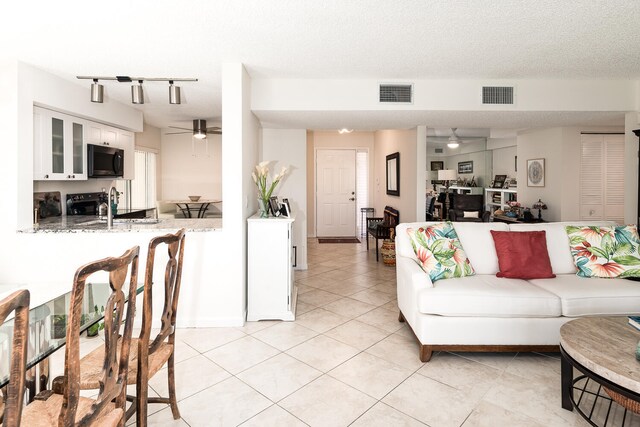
column 68, row 176
column 295, row 256
column 73, row 176
column 46, row 176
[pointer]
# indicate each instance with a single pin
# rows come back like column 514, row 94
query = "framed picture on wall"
column 437, row 166
column 393, row 174
column 465, row 167
column 535, row 173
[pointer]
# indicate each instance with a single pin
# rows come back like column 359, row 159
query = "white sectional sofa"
column 487, row 313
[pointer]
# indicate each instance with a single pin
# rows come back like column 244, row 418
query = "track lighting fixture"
column 97, row 92
column 174, row 94
column 137, row 92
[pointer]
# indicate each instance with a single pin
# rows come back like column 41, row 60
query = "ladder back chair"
column 153, row 355
column 63, row 406
column 18, row 301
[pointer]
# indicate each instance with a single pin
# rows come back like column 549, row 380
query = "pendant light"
column 137, row 93
column 97, row 92
column 174, row 93
column 200, row 129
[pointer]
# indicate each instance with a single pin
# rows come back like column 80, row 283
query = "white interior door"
column 335, row 193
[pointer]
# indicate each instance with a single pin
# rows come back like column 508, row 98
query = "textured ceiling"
column 409, row 39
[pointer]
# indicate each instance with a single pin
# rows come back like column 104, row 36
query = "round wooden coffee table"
column 603, row 350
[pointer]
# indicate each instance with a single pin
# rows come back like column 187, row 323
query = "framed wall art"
column 535, row 173
column 465, row 167
column 393, row 174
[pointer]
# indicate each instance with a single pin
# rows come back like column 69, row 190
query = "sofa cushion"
column 488, row 296
column 605, row 252
column 478, row 244
column 557, row 242
column 593, row 297
column 522, row 254
column 439, row 252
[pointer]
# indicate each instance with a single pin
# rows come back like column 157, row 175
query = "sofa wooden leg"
column 400, row 317
column 425, row 353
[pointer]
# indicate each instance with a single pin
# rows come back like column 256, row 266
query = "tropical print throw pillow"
column 439, row 251
column 605, row 251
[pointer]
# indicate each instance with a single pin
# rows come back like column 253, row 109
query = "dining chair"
column 62, row 406
column 147, row 357
column 14, row 393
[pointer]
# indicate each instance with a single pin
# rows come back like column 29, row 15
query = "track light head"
column 137, row 93
column 97, row 92
column 174, row 94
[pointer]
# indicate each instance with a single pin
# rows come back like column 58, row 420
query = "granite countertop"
column 91, row 224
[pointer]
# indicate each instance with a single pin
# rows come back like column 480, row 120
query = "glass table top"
column 48, row 322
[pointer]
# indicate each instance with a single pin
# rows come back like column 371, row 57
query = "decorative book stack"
column 635, row 322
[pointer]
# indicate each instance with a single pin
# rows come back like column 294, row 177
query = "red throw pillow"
column 522, row 254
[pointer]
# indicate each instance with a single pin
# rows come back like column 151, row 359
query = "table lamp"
column 447, row 175
column 540, row 205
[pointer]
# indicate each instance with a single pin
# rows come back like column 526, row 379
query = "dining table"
column 49, row 308
column 190, row 207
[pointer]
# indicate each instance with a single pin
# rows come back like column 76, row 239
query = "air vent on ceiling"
column 497, row 95
column 396, row 93
column 439, row 150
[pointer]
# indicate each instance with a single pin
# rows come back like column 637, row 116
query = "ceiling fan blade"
column 214, row 128
column 176, row 133
column 176, row 127
column 216, row 132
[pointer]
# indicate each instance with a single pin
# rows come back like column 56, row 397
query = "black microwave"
column 104, row 162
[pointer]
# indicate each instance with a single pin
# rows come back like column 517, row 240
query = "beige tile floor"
column 346, row 360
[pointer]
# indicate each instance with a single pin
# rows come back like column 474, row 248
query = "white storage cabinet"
column 271, row 293
column 498, row 198
column 59, row 150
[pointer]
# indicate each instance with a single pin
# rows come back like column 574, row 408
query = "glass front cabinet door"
column 59, row 146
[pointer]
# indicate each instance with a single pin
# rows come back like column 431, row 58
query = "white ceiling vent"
column 439, row 150
column 395, row 93
column 500, row 95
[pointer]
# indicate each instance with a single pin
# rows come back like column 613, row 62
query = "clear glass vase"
column 263, row 208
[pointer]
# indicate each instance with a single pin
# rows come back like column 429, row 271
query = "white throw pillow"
column 472, row 214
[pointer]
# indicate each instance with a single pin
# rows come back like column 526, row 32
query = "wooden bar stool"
column 148, row 357
column 63, row 405
column 14, row 393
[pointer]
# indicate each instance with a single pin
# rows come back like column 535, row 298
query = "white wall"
column 185, row 174
column 457, row 95
column 288, row 147
column 405, row 142
column 332, row 139
column 240, row 145
column 504, row 162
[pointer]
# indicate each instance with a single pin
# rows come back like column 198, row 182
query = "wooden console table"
column 603, row 350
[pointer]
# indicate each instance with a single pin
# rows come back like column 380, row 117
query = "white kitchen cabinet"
column 271, row 293
column 59, row 146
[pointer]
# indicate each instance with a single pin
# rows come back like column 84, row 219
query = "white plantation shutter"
column 614, row 178
column 602, row 177
column 140, row 192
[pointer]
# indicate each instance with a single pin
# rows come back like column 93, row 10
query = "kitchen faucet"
column 109, row 210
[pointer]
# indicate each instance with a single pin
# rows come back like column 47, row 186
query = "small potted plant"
column 93, row 330
column 58, row 326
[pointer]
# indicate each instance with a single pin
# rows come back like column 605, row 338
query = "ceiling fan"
column 453, row 141
column 200, row 129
